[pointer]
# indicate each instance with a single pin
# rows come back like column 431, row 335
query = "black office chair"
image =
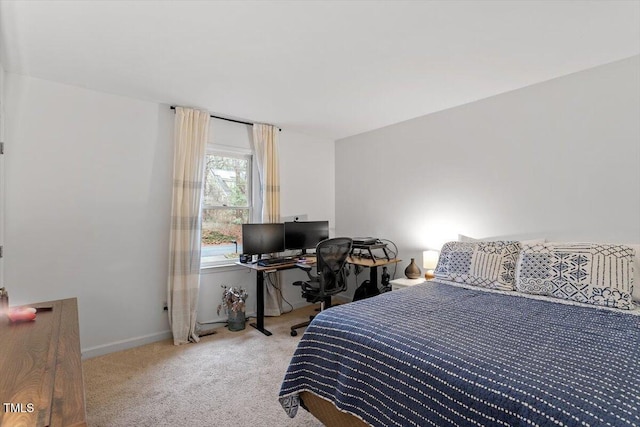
column 331, row 278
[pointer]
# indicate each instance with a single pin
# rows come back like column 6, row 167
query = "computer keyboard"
column 270, row 262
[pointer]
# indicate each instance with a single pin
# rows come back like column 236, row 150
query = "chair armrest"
column 304, row 267
column 308, row 268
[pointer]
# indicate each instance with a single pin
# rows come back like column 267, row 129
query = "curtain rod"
column 229, row 120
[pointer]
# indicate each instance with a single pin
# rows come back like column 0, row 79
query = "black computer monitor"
column 305, row 234
column 260, row 239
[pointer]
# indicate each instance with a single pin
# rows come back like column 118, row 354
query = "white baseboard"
column 99, row 350
column 221, row 319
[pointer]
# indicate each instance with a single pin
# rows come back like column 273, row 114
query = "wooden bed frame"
column 327, row 413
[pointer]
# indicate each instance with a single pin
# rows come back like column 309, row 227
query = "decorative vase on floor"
column 412, row 271
column 236, row 320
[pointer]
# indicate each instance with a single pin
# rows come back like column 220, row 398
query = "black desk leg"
column 372, row 289
column 259, row 325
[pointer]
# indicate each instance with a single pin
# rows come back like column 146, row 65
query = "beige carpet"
column 227, row 379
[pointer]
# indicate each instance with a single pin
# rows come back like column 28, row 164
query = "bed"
column 465, row 349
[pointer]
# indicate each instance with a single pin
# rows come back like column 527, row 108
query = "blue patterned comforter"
column 440, row 355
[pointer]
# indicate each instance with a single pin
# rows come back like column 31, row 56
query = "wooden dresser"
column 41, row 369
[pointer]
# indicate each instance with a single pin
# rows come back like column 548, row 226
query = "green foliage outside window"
column 226, row 199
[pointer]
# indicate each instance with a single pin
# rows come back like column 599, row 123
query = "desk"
column 373, row 265
column 260, row 271
column 372, row 289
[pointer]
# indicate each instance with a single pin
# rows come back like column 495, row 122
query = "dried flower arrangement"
column 233, row 299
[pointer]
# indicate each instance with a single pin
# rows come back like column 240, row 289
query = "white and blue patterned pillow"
column 593, row 273
column 486, row 264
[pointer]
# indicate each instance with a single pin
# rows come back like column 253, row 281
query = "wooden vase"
column 412, row 271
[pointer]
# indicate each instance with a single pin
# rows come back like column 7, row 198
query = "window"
column 226, row 205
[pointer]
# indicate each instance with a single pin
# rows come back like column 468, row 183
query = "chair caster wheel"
column 294, row 333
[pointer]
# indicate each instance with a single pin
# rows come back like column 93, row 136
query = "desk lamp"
column 429, row 262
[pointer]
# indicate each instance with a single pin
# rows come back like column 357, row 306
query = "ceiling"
column 325, row 68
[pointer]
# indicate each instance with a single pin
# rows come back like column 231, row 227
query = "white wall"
column 88, row 203
column 559, row 159
column 307, row 177
column 87, row 206
column 2, row 167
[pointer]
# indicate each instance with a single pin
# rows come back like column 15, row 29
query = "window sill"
column 217, row 268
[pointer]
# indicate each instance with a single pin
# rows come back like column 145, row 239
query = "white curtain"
column 265, row 147
column 191, row 129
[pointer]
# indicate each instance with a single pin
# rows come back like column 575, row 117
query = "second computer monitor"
column 305, row 234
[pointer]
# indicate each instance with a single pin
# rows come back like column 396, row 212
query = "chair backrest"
column 331, row 257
